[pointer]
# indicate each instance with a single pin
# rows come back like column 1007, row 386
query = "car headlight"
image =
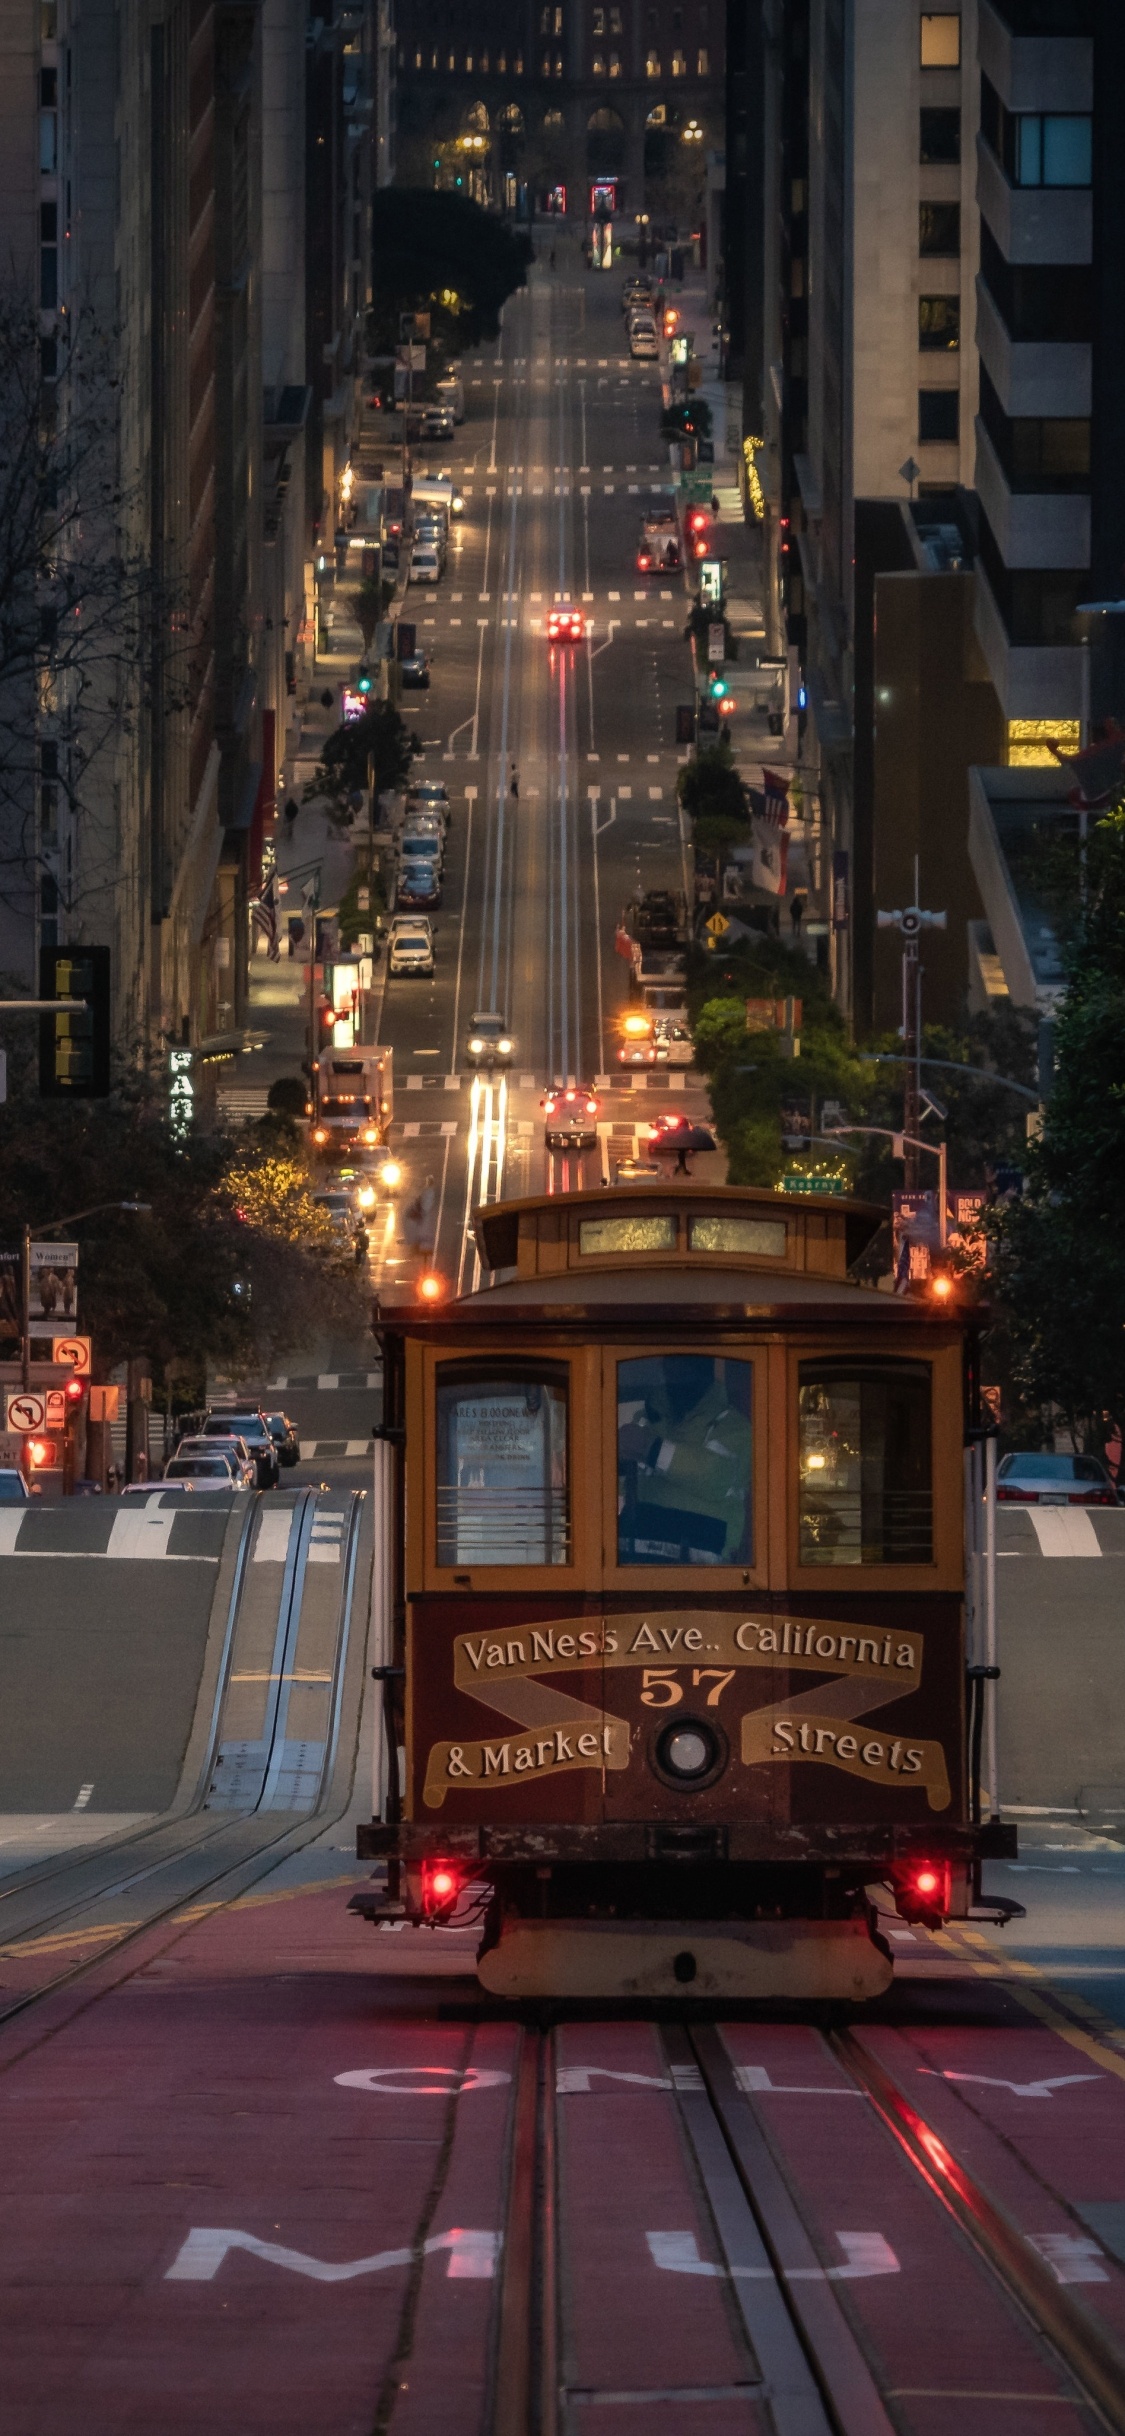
column 475, row 1047
column 366, row 1197
column 505, row 1047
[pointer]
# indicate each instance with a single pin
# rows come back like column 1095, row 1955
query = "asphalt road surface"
column 558, row 456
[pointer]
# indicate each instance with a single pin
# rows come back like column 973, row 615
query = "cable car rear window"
column 626, row 1235
column 865, row 1462
column 683, row 1460
column 502, row 1496
column 764, row 1237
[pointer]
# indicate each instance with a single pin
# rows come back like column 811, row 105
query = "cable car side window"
column 684, row 1480
column 865, row 1463
column 502, row 1492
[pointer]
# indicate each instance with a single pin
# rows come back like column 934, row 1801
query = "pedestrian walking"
column 514, row 789
column 797, row 903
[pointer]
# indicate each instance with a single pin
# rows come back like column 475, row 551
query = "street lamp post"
column 902, row 1142
column 911, row 921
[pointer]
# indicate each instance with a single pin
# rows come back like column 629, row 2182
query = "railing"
column 483, row 1526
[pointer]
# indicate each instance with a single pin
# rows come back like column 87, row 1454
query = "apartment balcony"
column 1032, row 680
column 1036, row 71
column 1034, row 223
column 1040, row 378
column 1032, row 528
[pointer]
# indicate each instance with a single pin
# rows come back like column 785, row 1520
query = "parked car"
column 643, row 345
column 410, row 945
column 425, row 564
column 418, row 887
column 283, row 1431
column 636, row 1171
column 490, row 1042
column 1054, row 1480
column 437, row 423
column 14, row 1490
column 231, row 1452
column 414, row 671
column 206, row 1472
column 250, row 1426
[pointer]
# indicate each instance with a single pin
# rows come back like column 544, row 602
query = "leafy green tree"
column 433, row 247
column 715, row 800
column 750, row 1075
column 191, row 1282
column 379, row 743
column 1058, row 1251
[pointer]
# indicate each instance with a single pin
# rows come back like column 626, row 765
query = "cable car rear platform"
column 874, row 1848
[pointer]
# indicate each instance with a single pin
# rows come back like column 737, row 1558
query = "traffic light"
column 363, row 682
column 74, row 1396
column 74, row 1046
column 718, row 688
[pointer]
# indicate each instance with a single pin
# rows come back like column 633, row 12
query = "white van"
column 452, row 394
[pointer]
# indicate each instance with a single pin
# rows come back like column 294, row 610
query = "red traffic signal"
column 74, row 1393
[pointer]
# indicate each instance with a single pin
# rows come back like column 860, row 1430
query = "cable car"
column 669, row 1595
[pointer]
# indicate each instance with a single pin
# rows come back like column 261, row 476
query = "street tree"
column 433, row 247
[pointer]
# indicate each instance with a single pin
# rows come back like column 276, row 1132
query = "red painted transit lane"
column 950, row 2353
column 222, row 2181
column 631, row 2216
column 1040, row 2125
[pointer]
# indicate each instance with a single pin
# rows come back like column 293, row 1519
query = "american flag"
column 776, row 792
column 263, row 915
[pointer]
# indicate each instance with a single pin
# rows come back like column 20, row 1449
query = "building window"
column 1034, row 147
column 48, row 142
column 417, row 59
column 864, row 1458
column 598, row 26
column 546, row 67
column 939, row 138
column 1038, row 301
column 939, row 229
column 939, row 414
column 502, row 1465
column 615, row 21
column 1037, row 604
column 558, row 63
column 1037, row 452
column 1050, row 151
column 652, row 63
column 684, row 1460
column 615, row 63
column 597, row 64
column 940, row 45
column 702, row 64
column 679, row 64
column 939, row 324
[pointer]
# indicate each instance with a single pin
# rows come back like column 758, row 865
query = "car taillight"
column 591, row 1107
column 923, row 1892
column 441, row 1885
column 1016, row 1497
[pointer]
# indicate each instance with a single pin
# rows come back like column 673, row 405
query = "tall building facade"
column 159, row 198
column 567, row 92
column 925, row 208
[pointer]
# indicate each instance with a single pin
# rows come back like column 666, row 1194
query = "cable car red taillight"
column 441, row 1885
column 923, row 1892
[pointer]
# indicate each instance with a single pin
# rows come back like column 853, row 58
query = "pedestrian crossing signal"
column 74, row 1045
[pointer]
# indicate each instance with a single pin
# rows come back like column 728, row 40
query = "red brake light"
column 923, row 1892
column 441, row 1885
column 591, row 1107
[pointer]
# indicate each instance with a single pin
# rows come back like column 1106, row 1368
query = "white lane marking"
column 328, row 1378
column 1064, row 1531
column 143, row 1531
column 272, row 1544
column 575, row 2079
column 1072, row 2257
column 84, row 1793
column 11, row 1524
column 422, row 2080
column 865, row 2254
column 754, row 2077
column 1019, row 2089
column 472, row 2255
